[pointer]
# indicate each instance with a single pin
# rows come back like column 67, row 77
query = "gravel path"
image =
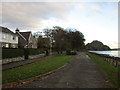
column 80, row 73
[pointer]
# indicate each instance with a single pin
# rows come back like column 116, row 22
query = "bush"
column 71, row 52
column 34, row 51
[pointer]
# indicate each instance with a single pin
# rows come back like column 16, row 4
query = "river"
column 115, row 53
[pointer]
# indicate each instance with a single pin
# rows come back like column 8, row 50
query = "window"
column 7, row 45
column 14, row 37
column 3, row 36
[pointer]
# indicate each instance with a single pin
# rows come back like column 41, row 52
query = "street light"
column 51, row 45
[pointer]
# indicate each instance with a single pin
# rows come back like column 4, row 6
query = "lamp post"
column 51, row 45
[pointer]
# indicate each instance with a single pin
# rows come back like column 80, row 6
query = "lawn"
column 111, row 71
column 35, row 69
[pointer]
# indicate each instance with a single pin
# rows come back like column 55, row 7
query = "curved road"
column 80, row 73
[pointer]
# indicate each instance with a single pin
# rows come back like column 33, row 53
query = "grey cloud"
column 38, row 0
column 25, row 15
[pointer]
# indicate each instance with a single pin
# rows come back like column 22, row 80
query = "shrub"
column 71, row 52
column 34, row 51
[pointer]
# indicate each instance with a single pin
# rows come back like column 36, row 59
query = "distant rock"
column 97, row 45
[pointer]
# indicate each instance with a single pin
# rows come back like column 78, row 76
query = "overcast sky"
column 96, row 20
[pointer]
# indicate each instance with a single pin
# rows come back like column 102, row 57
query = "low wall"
column 9, row 60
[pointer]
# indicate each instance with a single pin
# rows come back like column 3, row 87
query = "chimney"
column 17, row 30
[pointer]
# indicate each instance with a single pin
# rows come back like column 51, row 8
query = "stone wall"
column 9, row 60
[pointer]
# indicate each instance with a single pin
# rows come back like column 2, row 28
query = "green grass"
column 111, row 71
column 35, row 69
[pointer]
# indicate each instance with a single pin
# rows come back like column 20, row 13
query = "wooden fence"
column 115, row 61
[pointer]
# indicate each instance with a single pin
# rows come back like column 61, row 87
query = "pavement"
column 80, row 73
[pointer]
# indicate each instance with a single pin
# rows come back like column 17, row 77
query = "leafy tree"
column 63, row 39
column 58, row 34
column 49, row 38
column 42, row 42
column 75, row 39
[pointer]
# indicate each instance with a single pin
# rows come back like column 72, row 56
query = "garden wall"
column 14, row 55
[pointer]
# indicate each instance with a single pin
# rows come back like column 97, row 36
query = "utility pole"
column 118, row 74
column 51, row 45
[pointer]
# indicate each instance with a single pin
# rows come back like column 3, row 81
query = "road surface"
column 80, row 73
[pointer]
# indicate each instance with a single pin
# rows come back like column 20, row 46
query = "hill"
column 97, row 46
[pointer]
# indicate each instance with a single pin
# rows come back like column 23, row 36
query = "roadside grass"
column 35, row 69
column 111, row 71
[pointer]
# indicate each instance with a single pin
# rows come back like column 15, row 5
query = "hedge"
column 35, row 51
column 12, row 53
column 18, row 52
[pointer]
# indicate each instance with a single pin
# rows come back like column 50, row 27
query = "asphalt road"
column 80, row 73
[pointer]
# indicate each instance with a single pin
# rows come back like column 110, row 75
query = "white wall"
column 8, row 38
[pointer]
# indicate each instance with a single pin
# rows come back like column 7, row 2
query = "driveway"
column 80, row 73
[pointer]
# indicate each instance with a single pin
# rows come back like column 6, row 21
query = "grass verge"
column 35, row 69
column 111, row 71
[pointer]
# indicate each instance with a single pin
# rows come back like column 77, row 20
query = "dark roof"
column 6, row 30
column 25, row 34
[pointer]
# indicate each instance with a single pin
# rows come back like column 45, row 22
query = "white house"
column 8, row 38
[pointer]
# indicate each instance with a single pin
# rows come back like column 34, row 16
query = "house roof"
column 26, row 35
column 6, row 30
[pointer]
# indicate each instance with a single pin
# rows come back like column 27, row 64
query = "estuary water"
column 115, row 53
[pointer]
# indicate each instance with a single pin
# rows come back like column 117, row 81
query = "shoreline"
column 108, row 54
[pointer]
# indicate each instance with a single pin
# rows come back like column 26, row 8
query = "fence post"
column 113, row 62
column 116, row 63
column 118, row 74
